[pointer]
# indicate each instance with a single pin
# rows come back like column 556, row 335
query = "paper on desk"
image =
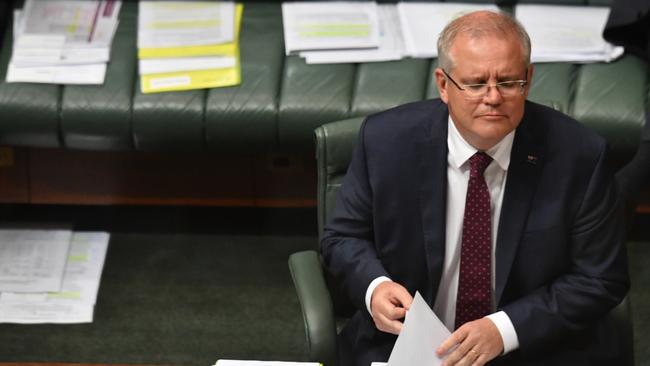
column 263, row 363
column 185, row 23
column 421, row 334
column 86, row 74
column 33, row 260
column 162, row 65
column 391, row 43
column 74, row 303
column 198, row 79
column 329, row 25
column 567, row 33
column 422, row 24
column 82, row 22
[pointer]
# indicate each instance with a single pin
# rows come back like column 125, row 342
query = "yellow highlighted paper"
column 197, row 79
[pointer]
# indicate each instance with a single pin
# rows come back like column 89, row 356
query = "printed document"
column 422, row 24
column 567, row 33
column 185, row 23
column 75, row 302
column 263, row 363
column 33, row 260
column 329, row 25
column 391, row 43
column 421, row 334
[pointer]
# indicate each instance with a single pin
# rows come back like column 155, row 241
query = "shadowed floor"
column 187, row 286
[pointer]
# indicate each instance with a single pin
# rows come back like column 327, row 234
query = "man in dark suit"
column 499, row 211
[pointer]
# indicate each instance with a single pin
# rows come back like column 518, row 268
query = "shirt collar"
column 460, row 150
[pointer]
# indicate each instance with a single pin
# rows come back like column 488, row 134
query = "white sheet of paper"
column 75, row 301
column 83, row 23
column 329, row 25
column 185, row 23
column 86, row 74
column 41, row 312
column 421, row 334
column 391, row 43
column 162, row 65
column 33, row 260
column 263, row 363
column 566, row 33
column 423, row 22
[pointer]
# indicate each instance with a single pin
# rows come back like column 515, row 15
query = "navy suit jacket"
column 560, row 256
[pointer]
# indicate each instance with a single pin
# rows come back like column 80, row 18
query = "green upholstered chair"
column 323, row 310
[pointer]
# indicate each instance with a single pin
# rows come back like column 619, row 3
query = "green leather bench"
column 281, row 99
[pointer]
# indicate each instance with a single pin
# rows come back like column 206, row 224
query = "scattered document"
column 192, row 66
column 184, row 23
column 75, row 301
column 329, row 25
column 422, row 24
column 63, row 42
column 263, row 363
column 567, row 33
column 33, row 260
column 391, row 43
column 421, row 334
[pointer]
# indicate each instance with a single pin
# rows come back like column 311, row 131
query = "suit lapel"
column 432, row 154
column 526, row 163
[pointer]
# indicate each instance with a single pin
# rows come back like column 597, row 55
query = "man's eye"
column 476, row 87
column 509, row 84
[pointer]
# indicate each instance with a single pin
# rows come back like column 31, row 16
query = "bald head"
column 477, row 25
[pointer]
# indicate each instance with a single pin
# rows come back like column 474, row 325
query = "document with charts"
column 329, row 25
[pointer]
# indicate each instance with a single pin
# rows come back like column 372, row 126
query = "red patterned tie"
column 474, row 286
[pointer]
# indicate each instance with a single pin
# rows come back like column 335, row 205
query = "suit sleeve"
column 597, row 279
column 348, row 247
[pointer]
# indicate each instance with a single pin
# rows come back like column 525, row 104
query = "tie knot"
column 478, row 163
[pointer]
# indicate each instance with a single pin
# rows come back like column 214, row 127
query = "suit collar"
column 432, row 152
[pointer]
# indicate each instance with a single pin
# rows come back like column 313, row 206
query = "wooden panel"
column 14, row 187
column 285, row 180
column 89, row 177
column 60, row 176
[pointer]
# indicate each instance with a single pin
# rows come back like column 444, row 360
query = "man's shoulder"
column 414, row 112
column 547, row 121
column 560, row 134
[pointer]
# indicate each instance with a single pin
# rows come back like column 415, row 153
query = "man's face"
column 484, row 121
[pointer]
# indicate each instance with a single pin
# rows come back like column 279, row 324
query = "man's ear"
column 441, row 83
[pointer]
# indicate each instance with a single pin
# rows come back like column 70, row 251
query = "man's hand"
column 478, row 341
column 388, row 305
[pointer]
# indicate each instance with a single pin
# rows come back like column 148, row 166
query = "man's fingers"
column 387, row 325
column 455, row 338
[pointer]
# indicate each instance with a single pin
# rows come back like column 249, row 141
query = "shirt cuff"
column 371, row 288
column 507, row 330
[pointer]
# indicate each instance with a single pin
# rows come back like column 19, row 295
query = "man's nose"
column 493, row 95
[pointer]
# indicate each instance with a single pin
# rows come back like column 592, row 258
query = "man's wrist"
column 508, row 334
column 371, row 289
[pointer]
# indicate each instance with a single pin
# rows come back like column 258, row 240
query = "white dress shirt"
column 459, row 152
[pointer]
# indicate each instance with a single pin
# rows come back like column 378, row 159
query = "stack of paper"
column 567, row 33
column 332, row 32
column 185, row 45
column 49, row 276
column 422, row 24
column 63, row 41
column 390, row 46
